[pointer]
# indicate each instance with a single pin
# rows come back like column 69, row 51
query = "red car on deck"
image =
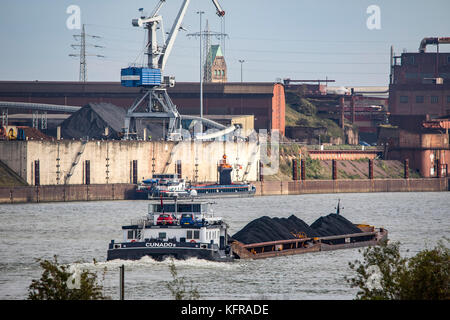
column 166, row 218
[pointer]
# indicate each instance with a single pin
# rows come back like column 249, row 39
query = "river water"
column 79, row 232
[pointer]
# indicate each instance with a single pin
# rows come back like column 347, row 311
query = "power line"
column 322, row 40
column 82, row 45
column 207, row 34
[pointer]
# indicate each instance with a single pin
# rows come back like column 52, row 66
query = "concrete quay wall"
column 109, row 162
column 60, row 193
column 350, row 186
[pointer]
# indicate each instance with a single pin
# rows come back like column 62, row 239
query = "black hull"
column 161, row 253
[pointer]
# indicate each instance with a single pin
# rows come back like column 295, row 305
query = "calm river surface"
column 79, row 232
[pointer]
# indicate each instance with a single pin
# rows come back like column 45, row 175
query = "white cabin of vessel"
column 147, row 227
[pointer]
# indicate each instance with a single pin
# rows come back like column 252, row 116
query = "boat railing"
column 141, row 222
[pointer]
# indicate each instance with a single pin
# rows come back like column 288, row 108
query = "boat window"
column 162, row 235
column 189, row 234
column 134, row 234
column 167, row 208
column 184, row 207
column 196, row 234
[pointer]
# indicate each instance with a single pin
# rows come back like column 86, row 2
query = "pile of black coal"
column 296, row 225
column 267, row 229
column 334, row 225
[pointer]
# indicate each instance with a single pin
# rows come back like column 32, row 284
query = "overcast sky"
column 277, row 39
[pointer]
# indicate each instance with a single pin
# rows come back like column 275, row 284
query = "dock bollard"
column 303, row 170
column 406, row 169
column 261, row 174
column 334, row 169
column 294, row 169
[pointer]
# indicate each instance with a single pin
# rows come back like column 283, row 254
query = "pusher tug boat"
column 177, row 228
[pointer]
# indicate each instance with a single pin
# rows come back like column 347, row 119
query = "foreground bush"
column 385, row 275
column 57, row 283
column 178, row 287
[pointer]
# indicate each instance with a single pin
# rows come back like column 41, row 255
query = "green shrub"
column 56, row 283
column 178, row 288
column 385, row 275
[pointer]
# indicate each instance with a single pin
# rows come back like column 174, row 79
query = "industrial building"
column 419, row 104
column 264, row 100
column 420, row 81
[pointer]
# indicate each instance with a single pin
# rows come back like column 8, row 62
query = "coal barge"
column 269, row 237
column 187, row 228
column 303, row 245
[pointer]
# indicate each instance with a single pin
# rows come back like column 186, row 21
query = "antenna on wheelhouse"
column 338, row 208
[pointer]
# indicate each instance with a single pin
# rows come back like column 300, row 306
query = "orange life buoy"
column 192, row 241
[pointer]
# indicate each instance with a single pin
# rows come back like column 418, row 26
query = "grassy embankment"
column 303, row 112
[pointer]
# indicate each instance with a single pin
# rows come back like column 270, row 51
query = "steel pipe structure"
column 39, row 106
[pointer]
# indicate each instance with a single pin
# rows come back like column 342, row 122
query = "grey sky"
column 277, row 39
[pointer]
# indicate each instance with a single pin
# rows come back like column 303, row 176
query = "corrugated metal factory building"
column 264, row 100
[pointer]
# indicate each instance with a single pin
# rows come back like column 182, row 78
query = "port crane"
column 155, row 103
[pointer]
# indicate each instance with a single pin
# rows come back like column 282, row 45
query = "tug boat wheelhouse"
column 177, row 228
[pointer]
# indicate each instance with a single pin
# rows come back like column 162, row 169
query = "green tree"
column 385, row 275
column 57, row 283
column 178, row 287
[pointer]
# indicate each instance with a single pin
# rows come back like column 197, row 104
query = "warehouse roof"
column 50, row 88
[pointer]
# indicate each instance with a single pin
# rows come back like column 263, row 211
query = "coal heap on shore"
column 266, row 229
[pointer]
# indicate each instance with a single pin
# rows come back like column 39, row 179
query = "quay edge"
column 123, row 191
